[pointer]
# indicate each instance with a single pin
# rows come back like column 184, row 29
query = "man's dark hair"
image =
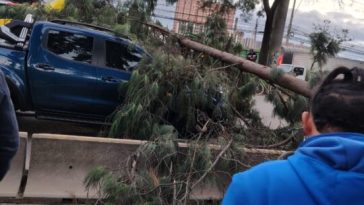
column 339, row 101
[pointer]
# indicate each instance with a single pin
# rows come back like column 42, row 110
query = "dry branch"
column 213, row 164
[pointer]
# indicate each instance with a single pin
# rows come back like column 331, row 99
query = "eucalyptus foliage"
column 175, row 91
column 180, row 95
column 183, row 96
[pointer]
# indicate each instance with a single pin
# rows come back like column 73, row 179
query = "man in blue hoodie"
column 328, row 167
column 9, row 137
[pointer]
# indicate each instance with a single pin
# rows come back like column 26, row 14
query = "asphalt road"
column 265, row 110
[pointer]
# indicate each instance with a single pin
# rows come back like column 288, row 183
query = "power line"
column 183, row 13
column 249, row 28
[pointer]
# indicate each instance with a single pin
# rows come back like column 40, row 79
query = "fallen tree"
column 285, row 80
column 191, row 92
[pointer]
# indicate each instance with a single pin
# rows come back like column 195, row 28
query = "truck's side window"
column 70, row 46
column 121, row 56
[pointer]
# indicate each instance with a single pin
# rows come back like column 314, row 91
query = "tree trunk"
column 313, row 63
column 285, row 81
column 277, row 32
column 264, row 50
column 273, row 31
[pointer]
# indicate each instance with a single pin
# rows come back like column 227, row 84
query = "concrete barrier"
column 208, row 191
column 9, row 186
column 59, row 163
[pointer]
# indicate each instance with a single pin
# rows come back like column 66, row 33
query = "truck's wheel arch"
column 15, row 95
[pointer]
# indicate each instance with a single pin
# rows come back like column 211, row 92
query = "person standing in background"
column 252, row 55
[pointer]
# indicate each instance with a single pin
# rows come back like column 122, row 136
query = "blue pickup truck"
column 65, row 70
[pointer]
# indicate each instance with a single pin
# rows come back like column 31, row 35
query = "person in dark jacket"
column 9, row 133
column 252, row 55
column 328, row 167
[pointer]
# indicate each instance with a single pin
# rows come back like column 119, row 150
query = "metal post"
column 290, row 23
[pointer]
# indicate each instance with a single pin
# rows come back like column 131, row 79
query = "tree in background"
column 16, row 12
column 274, row 28
column 324, row 44
column 275, row 14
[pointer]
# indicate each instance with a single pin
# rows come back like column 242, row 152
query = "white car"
column 298, row 71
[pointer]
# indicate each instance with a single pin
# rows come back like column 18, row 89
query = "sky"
column 347, row 15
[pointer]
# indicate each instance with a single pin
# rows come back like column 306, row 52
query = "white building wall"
column 336, row 62
column 303, row 57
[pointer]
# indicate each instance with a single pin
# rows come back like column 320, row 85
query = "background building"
column 189, row 14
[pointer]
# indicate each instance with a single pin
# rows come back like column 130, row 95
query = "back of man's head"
column 338, row 103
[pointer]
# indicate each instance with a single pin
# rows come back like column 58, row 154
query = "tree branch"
column 187, row 191
column 239, row 115
column 285, row 105
column 174, row 202
column 281, row 143
column 221, row 68
column 237, row 161
column 213, row 164
column 266, row 6
column 161, row 185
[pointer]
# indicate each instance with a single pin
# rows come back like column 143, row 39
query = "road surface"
column 265, row 110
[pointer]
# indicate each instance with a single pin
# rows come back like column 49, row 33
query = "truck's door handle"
column 44, row 66
column 109, row 79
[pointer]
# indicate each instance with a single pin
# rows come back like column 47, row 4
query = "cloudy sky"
column 348, row 15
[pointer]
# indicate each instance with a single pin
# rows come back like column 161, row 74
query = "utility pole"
column 290, row 23
column 255, row 34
